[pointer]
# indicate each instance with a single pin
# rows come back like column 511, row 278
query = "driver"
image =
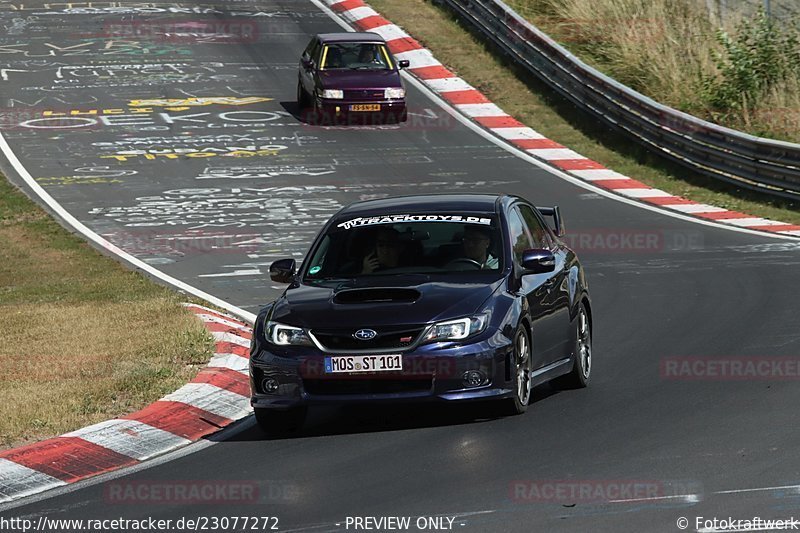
column 476, row 241
column 386, row 253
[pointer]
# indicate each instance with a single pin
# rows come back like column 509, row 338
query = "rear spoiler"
column 558, row 222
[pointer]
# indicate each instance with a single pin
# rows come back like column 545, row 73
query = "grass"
column 671, row 51
column 533, row 103
column 82, row 338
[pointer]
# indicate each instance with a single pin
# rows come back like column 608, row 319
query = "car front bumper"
column 430, row 373
column 342, row 108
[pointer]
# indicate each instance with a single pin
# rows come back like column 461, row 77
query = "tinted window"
column 520, row 240
column 310, row 47
column 315, row 52
column 535, row 227
column 416, row 246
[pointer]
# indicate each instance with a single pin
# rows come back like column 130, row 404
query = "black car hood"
column 353, row 305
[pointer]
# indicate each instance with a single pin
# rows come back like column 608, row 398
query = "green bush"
column 760, row 55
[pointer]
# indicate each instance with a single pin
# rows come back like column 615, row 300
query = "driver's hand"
column 370, row 263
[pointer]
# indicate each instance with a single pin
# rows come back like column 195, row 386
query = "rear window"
column 356, row 56
column 397, row 244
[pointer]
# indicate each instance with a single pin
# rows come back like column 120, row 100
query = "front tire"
column 521, row 369
column 578, row 377
column 277, row 422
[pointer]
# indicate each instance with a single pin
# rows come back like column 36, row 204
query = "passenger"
column 476, row 242
column 386, row 253
column 370, row 54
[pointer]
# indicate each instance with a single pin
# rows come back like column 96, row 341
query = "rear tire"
column 521, row 368
column 302, row 99
column 277, row 422
column 581, row 372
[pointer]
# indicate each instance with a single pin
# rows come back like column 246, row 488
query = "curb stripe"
column 390, row 32
column 181, row 419
column 469, row 96
column 130, row 437
column 536, row 144
column 18, row 481
column 68, row 458
column 372, row 22
column 399, row 46
column 431, row 72
column 237, row 349
column 212, row 399
column 227, row 337
column 577, row 164
column 215, row 327
column 229, row 360
column 224, row 378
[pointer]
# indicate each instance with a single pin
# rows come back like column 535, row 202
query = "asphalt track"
column 675, row 289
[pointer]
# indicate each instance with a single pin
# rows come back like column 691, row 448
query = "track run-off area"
column 183, row 147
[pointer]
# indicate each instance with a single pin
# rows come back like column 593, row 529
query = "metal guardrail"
column 766, row 165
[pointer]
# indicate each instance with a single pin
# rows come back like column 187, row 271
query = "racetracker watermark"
column 612, row 241
column 730, row 368
column 193, row 242
column 225, row 31
column 199, row 492
column 15, row 118
column 417, row 119
column 564, row 491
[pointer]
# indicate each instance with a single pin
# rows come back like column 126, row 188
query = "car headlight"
column 334, row 94
column 393, row 92
column 283, row 335
column 454, row 330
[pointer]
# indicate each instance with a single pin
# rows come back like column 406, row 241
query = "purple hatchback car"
column 351, row 75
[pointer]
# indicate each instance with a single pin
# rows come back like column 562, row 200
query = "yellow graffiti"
column 235, row 153
column 202, row 101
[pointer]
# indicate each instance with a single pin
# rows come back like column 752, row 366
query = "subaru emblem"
column 365, row 334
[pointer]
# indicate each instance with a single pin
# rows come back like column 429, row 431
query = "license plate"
column 364, row 363
column 365, row 107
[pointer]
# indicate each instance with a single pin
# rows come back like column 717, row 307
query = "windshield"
column 356, row 56
column 375, row 246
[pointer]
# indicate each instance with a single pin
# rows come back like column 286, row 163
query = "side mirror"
column 404, row 63
column 282, row 270
column 538, row 261
column 558, row 222
column 307, row 63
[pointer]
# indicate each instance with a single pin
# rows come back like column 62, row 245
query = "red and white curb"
column 472, row 103
column 217, row 397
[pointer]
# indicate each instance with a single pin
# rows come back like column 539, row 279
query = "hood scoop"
column 377, row 295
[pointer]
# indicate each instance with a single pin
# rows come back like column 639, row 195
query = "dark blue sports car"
column 424, row 298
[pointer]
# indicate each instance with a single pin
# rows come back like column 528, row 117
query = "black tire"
column 302, row 98
column 521, row 370
column 277, row 422
column 581, row 372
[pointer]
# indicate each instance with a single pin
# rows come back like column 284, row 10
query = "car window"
column 535, row 227
column 356, row 56
column 432, row 244
column 520, row 239
column 315, row 52
column 310, row 47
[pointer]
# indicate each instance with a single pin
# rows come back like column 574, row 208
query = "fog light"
column 474, row 378
column 269, row 385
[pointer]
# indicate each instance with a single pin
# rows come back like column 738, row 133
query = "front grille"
column 366, row 386
column 364, row 94
column 387, row 339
